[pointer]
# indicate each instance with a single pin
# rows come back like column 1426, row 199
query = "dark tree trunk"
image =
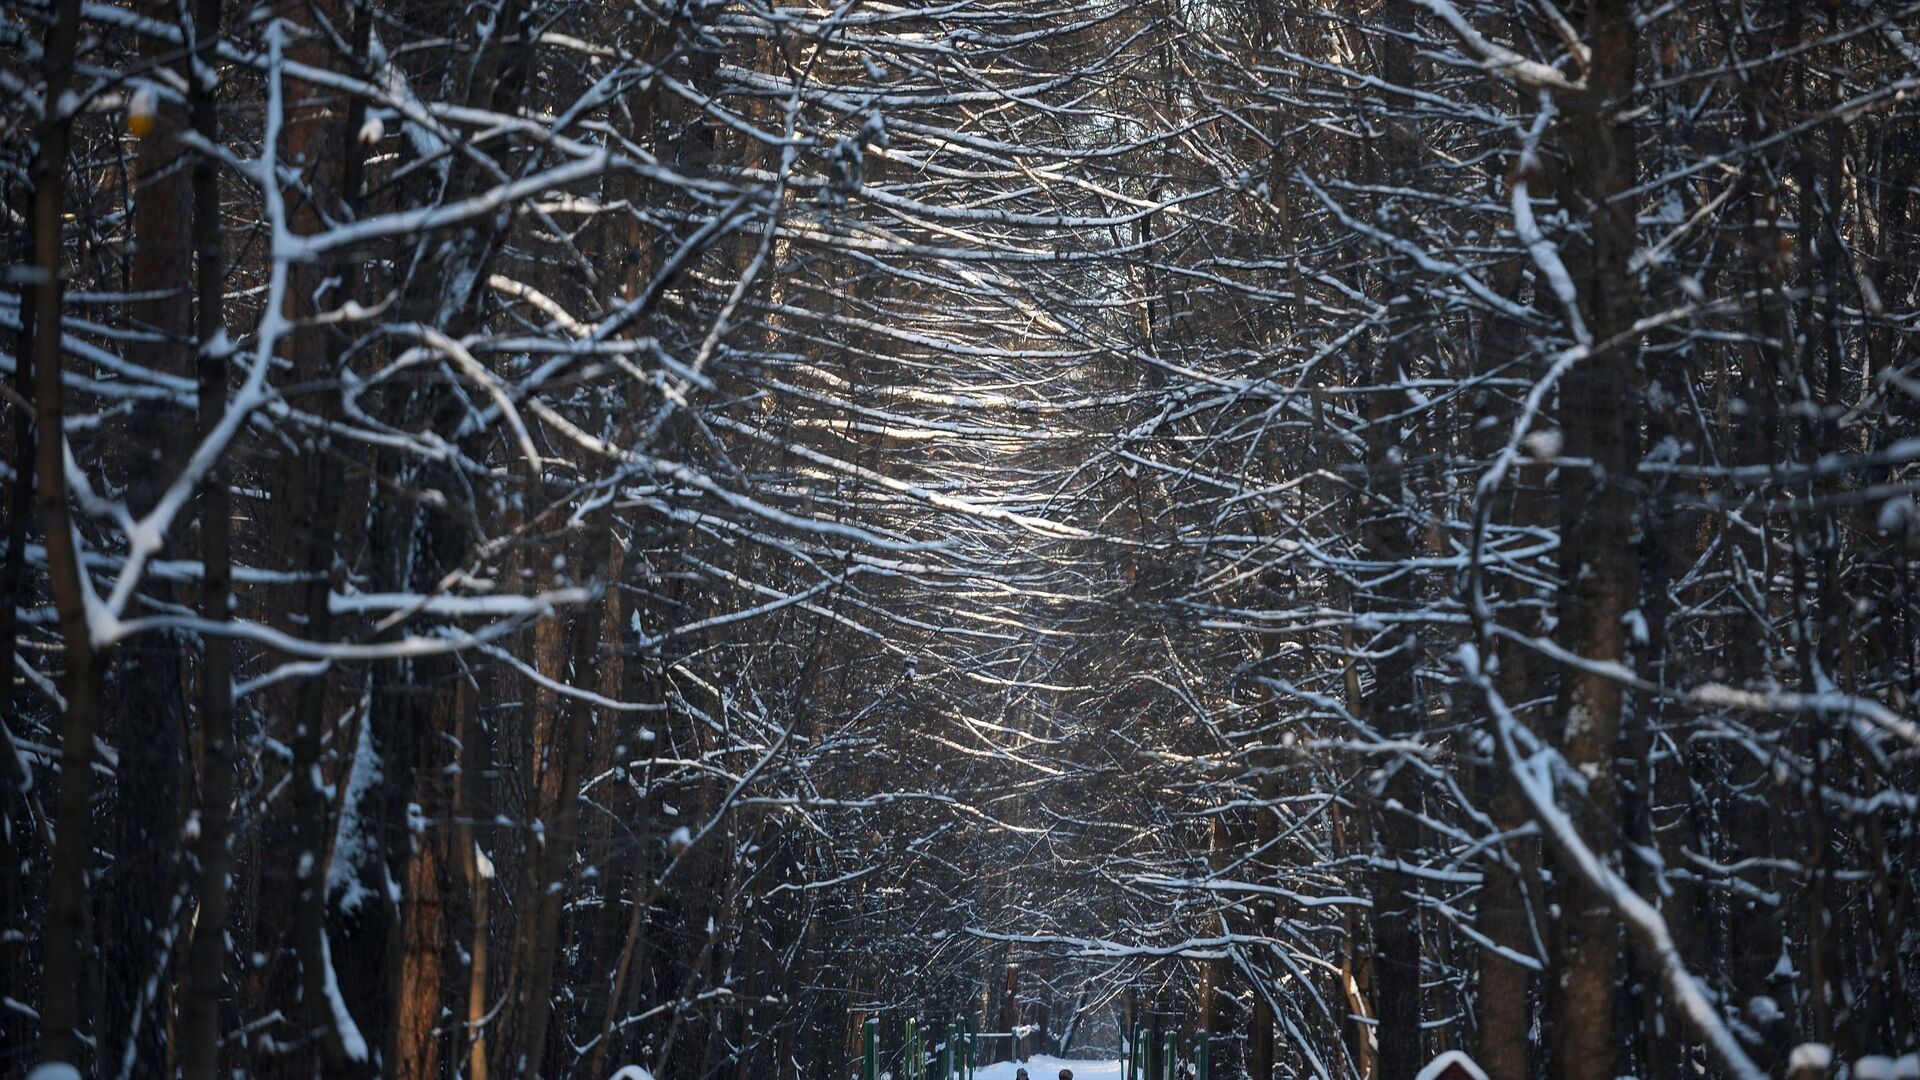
column 63, row 973
column 142, row 705
column 1597, row 524
column 1388, row 532
column 315, row 136
column 199, row 1034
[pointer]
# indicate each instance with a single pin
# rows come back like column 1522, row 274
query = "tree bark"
column 199, row 1035
column 1387, row 533
column 143, row 713
column 1599, row 575
column 1260, row 1027
column 67, row 890
column 316, row 141
column 1510, row 893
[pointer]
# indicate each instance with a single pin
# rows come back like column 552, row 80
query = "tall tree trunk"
column 422, row 943
column 1509, row 895
column 560, row 760
column 62, row 974
column 1597, row 523
column 316, row 139
column 1388, row 532
column 1266, row 832
column 1504, row 1004
column 199, row 1034
column 142, row 696
column 17, row 802
column 1394, row 707
column 1206, row 1006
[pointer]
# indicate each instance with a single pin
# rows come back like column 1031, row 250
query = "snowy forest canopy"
column 549, row 535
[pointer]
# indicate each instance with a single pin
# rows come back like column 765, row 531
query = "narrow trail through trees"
column 563, row 538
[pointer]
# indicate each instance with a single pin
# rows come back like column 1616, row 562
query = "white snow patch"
column 1448, row 1060
column 631, row 1072
column 354, row 1043
column 1636, row 623
column 54, row 1070
column 1899, row 516
column 353, row 845
column 1875, row 1067
column 1579, row 722
column 1783, row 967
column 1667, row 449
column 1810, row 1057
column 144, row 103
column 1047, row 1067
column 1544, row 445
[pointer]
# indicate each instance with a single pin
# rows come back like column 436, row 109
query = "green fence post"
column 870, row 1062
column 1170, row 1058
column 1202, row 1052
column 946, row 1052
column 967, row 1046
column 957, row 1047
column 1139, row 1055
column 1126, row 1046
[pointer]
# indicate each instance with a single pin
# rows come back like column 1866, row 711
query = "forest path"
column 1047, row 1067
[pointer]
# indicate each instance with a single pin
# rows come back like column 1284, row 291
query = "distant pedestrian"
column 1020, row 1074
column 1066, row 1074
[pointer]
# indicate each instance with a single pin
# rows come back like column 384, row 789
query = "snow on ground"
column 1455, row 1060
column 1044, row 1067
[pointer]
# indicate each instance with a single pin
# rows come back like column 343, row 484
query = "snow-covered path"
column 1044, row 1067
